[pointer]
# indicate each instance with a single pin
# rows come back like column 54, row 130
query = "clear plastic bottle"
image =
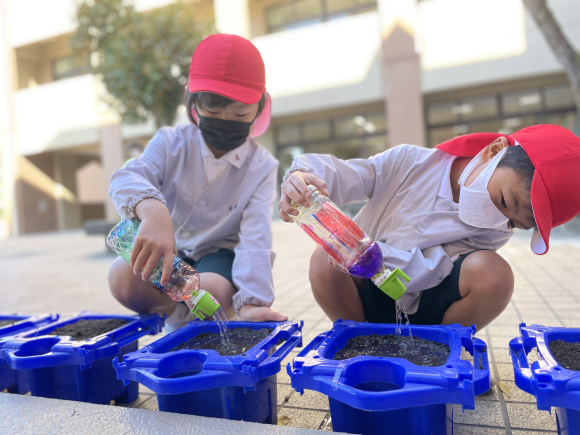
column 347, row 244
column 184, row 281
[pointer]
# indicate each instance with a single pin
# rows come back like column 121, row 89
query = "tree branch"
column 560, row 45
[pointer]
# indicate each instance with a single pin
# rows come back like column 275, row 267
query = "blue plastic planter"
column 14, row 381
column 377, row 395
column 60, row 368
column 552, row 384
column 201, row 382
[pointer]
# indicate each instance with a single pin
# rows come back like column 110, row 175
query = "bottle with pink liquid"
column 347, row 244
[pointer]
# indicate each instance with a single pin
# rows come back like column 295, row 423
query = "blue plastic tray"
column 552, row 384
column 368, row 394
column 201, row 382
column 14, row 381
column 60, row 368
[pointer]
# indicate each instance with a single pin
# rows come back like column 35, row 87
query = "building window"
column 502, row 113
column 299, row 13
column 359, row 135
column 69, row 66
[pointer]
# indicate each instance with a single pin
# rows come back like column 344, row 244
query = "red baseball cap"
column 231, row 66
column 555, row 153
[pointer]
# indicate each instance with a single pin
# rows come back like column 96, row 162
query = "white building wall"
column 497, row 41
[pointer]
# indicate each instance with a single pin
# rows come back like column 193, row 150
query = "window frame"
column 324, row 17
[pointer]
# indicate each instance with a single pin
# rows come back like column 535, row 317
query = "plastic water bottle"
column 347, row 244
column 183, row 284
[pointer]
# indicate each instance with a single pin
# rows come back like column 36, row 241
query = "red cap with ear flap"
column 470, row 145
column 231, row 66
column 555, row 154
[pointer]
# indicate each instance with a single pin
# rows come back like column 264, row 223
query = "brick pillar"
column 402, row 73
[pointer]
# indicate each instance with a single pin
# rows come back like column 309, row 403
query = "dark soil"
column 567, row 354
column 7, row 322
column 85, row 329
column 422, row 352
column 241, row 340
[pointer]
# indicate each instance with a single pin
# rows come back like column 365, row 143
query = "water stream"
column 222, row 320
column 400, row 312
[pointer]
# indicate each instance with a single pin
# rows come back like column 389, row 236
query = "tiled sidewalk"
column 67, row 272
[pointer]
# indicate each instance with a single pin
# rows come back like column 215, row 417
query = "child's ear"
column 495, row 147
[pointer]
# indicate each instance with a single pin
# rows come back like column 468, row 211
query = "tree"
column 560, row 46
column 142, row 58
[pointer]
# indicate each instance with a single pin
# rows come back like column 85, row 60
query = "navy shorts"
column 219, row 262
column 380, row 308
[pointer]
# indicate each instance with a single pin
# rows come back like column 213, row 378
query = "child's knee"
column 120, row 280
column 487, row 272
column 320, row 269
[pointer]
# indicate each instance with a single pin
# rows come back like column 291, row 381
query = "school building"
column 347, row 77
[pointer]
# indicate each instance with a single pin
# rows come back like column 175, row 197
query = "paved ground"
column 66, row 273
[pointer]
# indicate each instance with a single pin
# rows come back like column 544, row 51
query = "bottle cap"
column 389, row 282
column 202, row 304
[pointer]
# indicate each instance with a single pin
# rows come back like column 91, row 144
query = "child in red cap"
column 439, row 215
column 204, row 191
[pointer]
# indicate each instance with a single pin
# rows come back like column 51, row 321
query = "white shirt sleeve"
column 252, row 268
column 141, row 178
column 351, row 180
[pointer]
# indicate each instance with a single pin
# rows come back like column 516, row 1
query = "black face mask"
column 223, row 134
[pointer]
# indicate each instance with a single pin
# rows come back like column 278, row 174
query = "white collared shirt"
column 410, row 211
column 214, row 203
column 215, row 167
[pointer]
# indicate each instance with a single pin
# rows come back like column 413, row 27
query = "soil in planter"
column 8, row 322
column 419, row 351
column 85, row 329
column 567, row 354
column 240, row 341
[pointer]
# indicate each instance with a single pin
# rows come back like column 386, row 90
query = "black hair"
column 518, row 161
column 209, row 99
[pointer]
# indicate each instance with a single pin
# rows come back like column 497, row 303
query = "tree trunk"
column 560, row 46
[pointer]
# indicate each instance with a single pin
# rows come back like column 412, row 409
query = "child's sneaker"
column 180, row 317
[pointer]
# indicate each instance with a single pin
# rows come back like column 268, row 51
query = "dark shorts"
column 219, row 262
column 380, row 308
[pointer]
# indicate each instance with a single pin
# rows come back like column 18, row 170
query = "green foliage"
column 143, row 58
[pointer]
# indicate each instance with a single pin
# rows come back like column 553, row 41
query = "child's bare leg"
column 134, row 293
column 486, row 284
column 336, row 292
column 221, row 289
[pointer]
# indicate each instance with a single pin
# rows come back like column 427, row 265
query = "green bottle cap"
column 392, row 286
column 203, row 304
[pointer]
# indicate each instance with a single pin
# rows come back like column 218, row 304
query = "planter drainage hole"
column 376, row 386
column 184, row 374
column 241, row 340
column 417, row 350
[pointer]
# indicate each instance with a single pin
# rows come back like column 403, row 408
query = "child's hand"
column 154, row 240
column 295, row 188
column 252, row 313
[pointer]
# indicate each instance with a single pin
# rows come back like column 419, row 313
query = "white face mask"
column 475, row 205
